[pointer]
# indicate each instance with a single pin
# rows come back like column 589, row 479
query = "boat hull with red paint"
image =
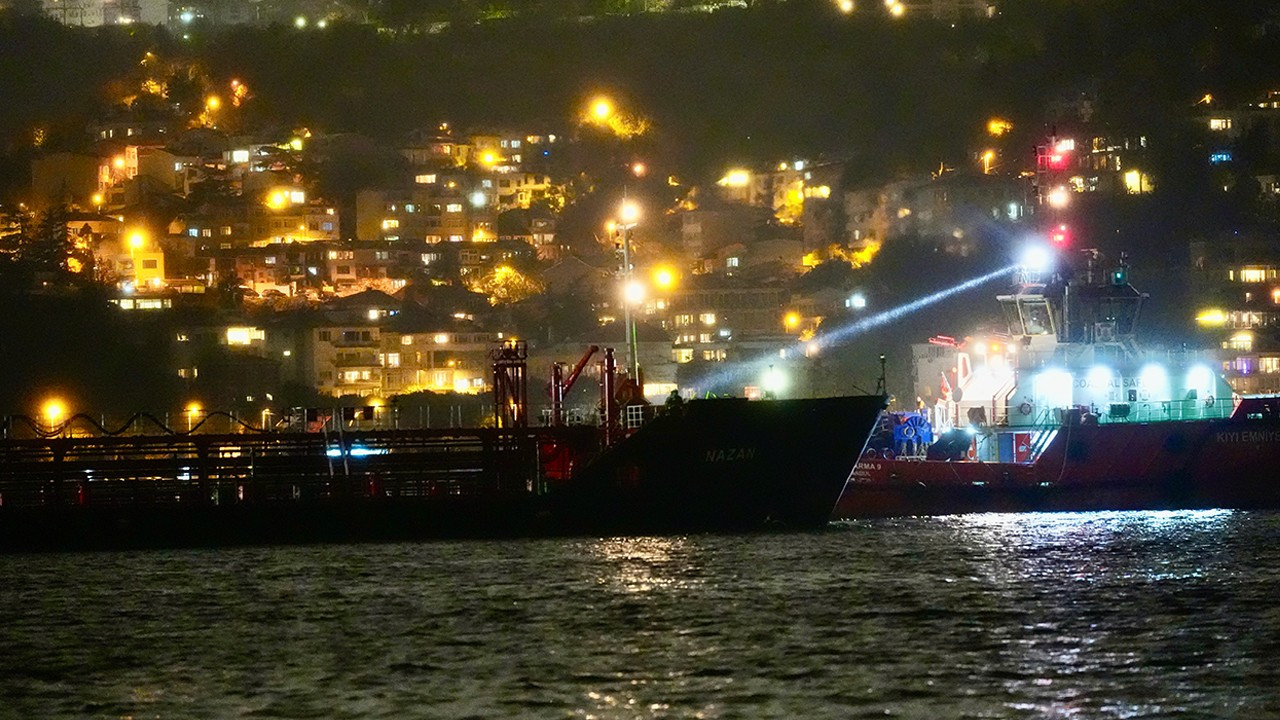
column 1228, row 463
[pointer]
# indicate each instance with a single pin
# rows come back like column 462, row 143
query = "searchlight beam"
column 848, row 332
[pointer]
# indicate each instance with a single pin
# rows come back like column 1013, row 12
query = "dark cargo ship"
column 705, row 465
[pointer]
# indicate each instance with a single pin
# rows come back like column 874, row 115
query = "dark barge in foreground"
column 727, row 464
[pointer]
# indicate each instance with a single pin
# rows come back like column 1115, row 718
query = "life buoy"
column 1025, row 408
column 1208, row 401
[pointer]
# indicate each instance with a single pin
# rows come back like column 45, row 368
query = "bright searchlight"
column 1037, row 259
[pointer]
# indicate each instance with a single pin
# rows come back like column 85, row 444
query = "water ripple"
column 1104, row 615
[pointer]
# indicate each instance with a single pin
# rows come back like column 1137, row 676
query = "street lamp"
column 193, row 409
column 601, row 109
column 136, row 241
column 628, row 216
column 53, row 410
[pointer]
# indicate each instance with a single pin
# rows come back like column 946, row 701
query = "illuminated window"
column 1253, row 275
column 393, row 360
column 1242, row 342
column 1269, row 364
column 406, row 339
column 1219, row 124
column 708, row 318
column 244, row 335
column 453, row 207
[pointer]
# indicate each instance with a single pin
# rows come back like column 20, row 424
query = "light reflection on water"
column 1102, row 615
column 645, row 564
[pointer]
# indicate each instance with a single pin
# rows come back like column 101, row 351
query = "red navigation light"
column 1057, row 161
column 1060, row 235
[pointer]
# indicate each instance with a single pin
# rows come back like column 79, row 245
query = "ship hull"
column 725, row 465
column 1139, row 466
column 714, row 465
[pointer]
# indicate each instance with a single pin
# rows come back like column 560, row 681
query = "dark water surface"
column 1115, row 615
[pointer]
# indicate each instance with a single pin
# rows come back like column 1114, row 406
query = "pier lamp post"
column 137, row 240
column 193, row 409
column 628, row 216
column 53, row 410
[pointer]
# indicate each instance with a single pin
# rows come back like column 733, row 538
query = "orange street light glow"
column 998, row 127
column 53, row 410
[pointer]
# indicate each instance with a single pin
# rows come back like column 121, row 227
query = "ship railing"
column 270, row 420
column 1030, row 416
column 277, row 467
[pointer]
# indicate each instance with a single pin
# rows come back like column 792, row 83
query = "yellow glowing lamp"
column 97, row 198
column 137, row 240
column 213, row 102
column 735, row 178
column 792, row 319
column 1212, row 317
column 988, row 158
column 53, row 410
column 664, row 278
column 601, row 108
column 998, row 126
